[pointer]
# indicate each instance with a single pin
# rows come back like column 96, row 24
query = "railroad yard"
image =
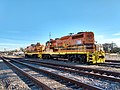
column 59, row 45
column 18, row 73
column 72, row 62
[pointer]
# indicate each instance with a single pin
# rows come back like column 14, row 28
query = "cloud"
column 11, row 46
column 116, row 34
column 114, row 40
column 99, row 36
column 102, row 39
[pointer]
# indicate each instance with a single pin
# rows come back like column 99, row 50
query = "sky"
column 23, row 22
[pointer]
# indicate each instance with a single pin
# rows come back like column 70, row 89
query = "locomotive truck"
column 80, row 47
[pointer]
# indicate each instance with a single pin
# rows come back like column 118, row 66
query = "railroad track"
column 71, row 70
column 114, row 61
column 31, row 78
column 109, row 64
column 115, row 74
column 69, row 81
column 108, row 73
column 78, row 72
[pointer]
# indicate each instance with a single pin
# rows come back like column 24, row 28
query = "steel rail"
column 78, row 83
column 116, row 61
column 80, row 72
column 44, row 87
column 116, row 74
column 115, row 65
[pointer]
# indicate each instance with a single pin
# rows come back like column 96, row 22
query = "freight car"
column 79, row 47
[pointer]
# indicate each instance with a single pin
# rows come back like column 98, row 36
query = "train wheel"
column 48, row 57
column 69, row 58
column 80, row 59
column 25, row 56
column 43, row 56
column 75, row 58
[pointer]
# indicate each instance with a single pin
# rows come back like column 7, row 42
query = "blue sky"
column 23, row 22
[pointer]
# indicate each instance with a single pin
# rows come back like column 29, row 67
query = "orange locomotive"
column 79, row 47
column 74, row 41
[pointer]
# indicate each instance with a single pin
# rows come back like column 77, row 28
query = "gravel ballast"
column 9, row 80
column 43, row 78
column 81, row 65
column 107, row 85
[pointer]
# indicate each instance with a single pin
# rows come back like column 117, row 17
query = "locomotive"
column 79, row 47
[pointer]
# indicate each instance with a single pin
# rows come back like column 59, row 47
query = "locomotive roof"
column 65, row 37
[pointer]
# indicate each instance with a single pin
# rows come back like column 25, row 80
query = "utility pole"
column 49, row 35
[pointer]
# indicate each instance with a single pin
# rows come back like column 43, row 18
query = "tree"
column 22, row 49
column 115, row 50
column 71, row 34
